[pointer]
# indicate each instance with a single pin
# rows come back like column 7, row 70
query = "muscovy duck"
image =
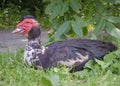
column 73, row 53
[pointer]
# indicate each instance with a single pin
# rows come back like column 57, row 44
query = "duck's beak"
column 17, row 30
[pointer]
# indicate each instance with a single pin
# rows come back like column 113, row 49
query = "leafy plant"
column 10, row 16
column 71, row 18
column 11, row 12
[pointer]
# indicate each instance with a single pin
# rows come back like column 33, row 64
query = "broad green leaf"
column 50, row 7
column 56, row 11
column 113, row 31
column 62, row 29
column 66, row 17
column 64, row 8
column 77, row 29
column 93, row 36
column 100, row 7
column 113, row 19
column 78, row 26
column 75, row 5
column 89, row 13
column 54, row 78
column 109, row 57
column 110, row 1
column 117, row 1
column 56, row 23
column 96, row 18
column 100, row 26
column 102, row 64
column 81, row 22
column 46, row 81
column 89, row 65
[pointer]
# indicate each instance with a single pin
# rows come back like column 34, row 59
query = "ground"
column 13, row 42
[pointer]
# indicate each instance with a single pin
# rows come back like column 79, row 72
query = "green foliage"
column 11, row 15
column 11, row 12
column 60, row 30
column 112, row 30
column 80, row 14
column 75, row 5
column 99, row 27
column 78, row 26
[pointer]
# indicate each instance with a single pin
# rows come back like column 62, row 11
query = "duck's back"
column 77, row 51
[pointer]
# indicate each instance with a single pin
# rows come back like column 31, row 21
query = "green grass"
column 13, row 72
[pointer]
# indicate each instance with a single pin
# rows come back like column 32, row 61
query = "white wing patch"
column 71, row 62
column 43, row 49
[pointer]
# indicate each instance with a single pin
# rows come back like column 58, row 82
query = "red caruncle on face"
column 26, row 25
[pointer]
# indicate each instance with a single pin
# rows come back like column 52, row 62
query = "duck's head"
column 28, row 26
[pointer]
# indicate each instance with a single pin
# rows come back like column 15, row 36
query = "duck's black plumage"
column 71, row 53
column 74, row 53
column 77, row 52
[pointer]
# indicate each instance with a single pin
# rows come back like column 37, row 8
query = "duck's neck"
column 36, row 44
column 33, row 50
column 35, row 40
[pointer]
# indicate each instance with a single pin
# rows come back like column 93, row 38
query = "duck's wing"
column 77, row 52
